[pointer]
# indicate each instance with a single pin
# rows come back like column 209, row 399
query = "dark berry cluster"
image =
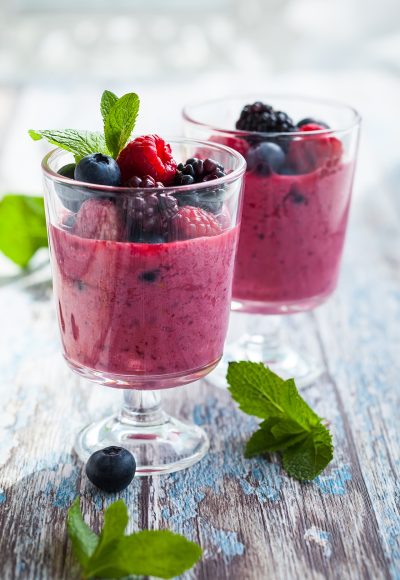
column 145, row 182
column 147, row 216
column 196, row 170
column 264, row 119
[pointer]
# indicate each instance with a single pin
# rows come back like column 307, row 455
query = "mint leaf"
column 309, row 458
column 84, row 541
column 120, row 122
column 114, row 555
column 290, row 426
column 22, row 227
column 147, row 553
column 108, row 99
column 80, row 143
column 115, row 522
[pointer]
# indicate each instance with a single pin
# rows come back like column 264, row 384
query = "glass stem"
column 262, row 340
column 142, row 408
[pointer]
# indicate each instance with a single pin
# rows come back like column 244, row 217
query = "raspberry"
column 193, row 222
column 148, row 214
column 239, row 145
column 99, row 219
column 310, row 152
column 148, row 155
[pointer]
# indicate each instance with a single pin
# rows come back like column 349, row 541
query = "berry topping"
column 148, row 155
column 265, row 158
column 111, row 469
column 311, row 152
column 68, row 170
column 148, row 215
column 264, row 119
column 311, row 121
column 193, row 222
column 98, row 168
column 98, row 219
column 239, row 145
column 144, row 182
column 196, row 170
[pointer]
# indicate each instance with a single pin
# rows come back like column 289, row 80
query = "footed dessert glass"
column 139, row 311
column 295, row 210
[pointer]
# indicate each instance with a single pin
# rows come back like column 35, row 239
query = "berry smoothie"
column 146, row 309
column 291, row 238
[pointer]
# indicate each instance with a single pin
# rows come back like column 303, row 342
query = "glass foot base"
column 165, row 447
column 283, row 360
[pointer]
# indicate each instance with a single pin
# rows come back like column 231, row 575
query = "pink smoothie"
column 143, row 309
column 291, row 239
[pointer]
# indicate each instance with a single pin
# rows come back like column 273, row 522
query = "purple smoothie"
column 143, row 309
column 291, row 239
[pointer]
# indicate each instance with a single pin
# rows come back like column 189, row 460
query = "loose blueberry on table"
column 111, row 469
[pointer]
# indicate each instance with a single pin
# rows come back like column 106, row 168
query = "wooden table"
column 253, row 522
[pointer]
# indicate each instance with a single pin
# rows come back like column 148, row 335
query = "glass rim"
column 228, row 178
column 356, row 122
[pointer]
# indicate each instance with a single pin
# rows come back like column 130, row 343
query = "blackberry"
column 144, row 182
column 147, row 216
column 197, row 171
column 264, row 119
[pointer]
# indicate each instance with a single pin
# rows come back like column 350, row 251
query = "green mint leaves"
column 120, row 121
column 119, row 118
column 22, row 227
column 114, row 555
column 290, row 426
column 80, row 143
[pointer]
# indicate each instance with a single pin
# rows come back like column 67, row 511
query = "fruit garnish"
column 311, row 121
column 113, row 554
column 196, row 170
column 147, row 215
column 265, row 158
column 119, row 118
column 312, row 151
column 147, row 155
column 264, row 119
column 289, row 425
column 239, row 145
column 111, row 469
column 193, row 222
column 145, row 182
column 98, row 168
column 99, row 219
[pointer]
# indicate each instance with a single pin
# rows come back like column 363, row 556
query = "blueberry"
column 310, row 120
column 111, row 469
column 71, row 196
column 265, row 158
column 147, row 238
column 149, row 275
column 98, row 168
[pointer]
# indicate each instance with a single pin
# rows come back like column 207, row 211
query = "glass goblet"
column 296, row 204
column 142, row 300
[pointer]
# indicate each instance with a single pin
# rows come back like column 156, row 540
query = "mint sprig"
column 290, row 426
column 22, row 227
column 80, row 143
column 114, row 555
column 120, row 121
column 119, row 118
